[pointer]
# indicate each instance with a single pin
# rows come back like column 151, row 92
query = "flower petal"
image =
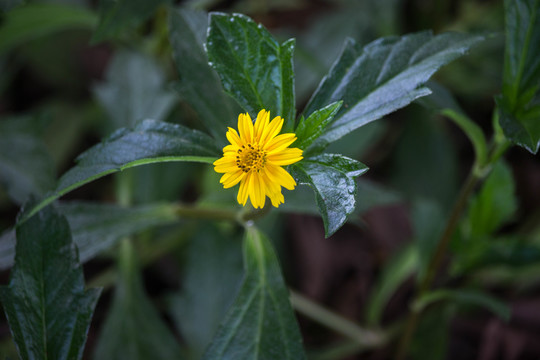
column 280, row 176
column 243, row 191
column 271, row 130
column 285, row 157
column 233, row 137
column 245, row 126
column 263, row 118
column 280, row 142
column 232, row 178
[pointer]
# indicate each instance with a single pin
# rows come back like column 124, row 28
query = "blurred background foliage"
column 73, row 71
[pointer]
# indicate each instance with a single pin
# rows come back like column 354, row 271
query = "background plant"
column 175, row 79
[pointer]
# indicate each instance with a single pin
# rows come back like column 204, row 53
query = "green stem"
column 477, row 174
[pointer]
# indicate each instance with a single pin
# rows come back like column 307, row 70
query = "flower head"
column 255, row 158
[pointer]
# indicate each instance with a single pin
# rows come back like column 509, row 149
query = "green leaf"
column 26, row 167
column 493, row 206
column 134, row 90
column 430, row 341
column 466, row 297
column 396, row 270
column 47, row 307
column 149, row 142
column 260, row 323
column 96, row 227
column 310, row 129
column 332, row 179
column 519, row 105
column 32, row 21
column 199, row 84
column 254, row 68
column 212, row 271
column 383, row 76
column 117, row 16
column 133, row 329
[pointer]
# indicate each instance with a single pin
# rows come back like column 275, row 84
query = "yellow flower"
column 255, row 158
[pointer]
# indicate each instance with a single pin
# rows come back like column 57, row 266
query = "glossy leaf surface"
column 149, row 142
column 383, row 76
column 519, row 104
column 260, row 324
column 254, row 68
column 199, row 84
column 47, row 307
column 134, row 329
column 332, row 179
column 134, row 90
column 310, row 129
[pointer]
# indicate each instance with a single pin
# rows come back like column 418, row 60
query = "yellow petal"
column 232, row 178
column 280, row 142
column 245, row 126
column 263, row 118
column 233, row 137
column 285, row 157
column 272, row 129
column 280, row 176
column 243, row 191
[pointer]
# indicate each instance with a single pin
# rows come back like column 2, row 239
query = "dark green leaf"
column 493, row 206
column 260, row 323
column 397, row 269
column 116, row 16
column 96, row 227
column 199, row 84
column 519, row 104
column 430, row 341
column 26, row 167
column 133, row 329
column 383, row 76
column 254, row 68
column 310, row 129
column 149, row 142
column 134, row 90
column 332, row 179
column 47, row 307
column 466, row 297
column 212, row 271
column 36, row 20
column 7, row 5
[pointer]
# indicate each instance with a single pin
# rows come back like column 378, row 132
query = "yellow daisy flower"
column 255, row 158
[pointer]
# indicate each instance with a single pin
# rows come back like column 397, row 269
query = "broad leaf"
column 383, row 76
column 134, row 90
column 149, row 142
column 212, row 271
column 199, row 84
column 310, row 129
column 116, row 16
column 133, row 329
column 96, row 227
column 254, row 68
column 472, row 297
column 39, row 19
column 519, row 104
column 260, row 323
column 47, row 307
column 332, row 179
column 26, row 167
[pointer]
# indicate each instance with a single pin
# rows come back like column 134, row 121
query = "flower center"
column 250, row 157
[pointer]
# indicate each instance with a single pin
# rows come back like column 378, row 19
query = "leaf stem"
column 477, row 174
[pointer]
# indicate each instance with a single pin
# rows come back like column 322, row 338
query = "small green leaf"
column 310, row 129
column 36, row 20
column 134, row 90
column 133, row 329
column 212, row 271
column 493, row 206
column 26, row 168
column 116, row 16
column 254, row 68
column 397, row 269
column 332, row 179
column 260, row 323
column 199, row 84
column 96, row 227
column 383, row 76
column 47, row 307
column 149, row 142
column 519, row 104
column 466, row 297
